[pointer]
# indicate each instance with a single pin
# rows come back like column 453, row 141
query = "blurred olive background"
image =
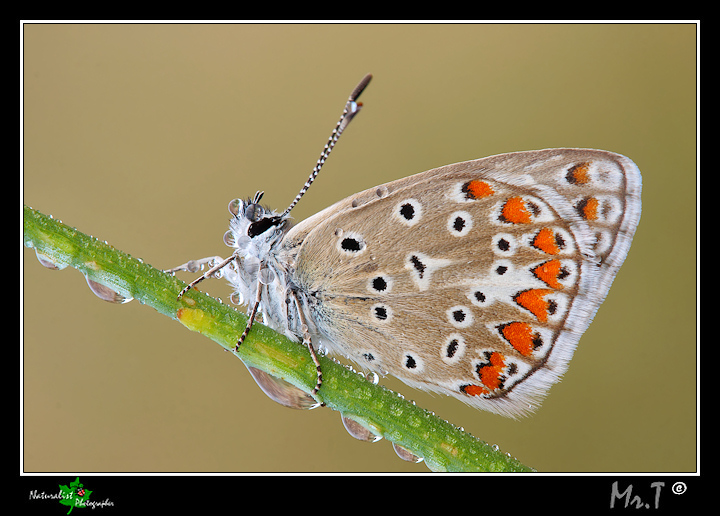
column 141, row 134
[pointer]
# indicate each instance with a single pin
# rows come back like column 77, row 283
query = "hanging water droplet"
column 358, row 431
column 406, row 454
column 229, row 238
column 243, row 243
column 234, row 206
column 48, row 264
column 46, row 261
column 212, row 262
column 106, row 293
column 236, row 298
column 282, row 392
column 254, row 212
column 373, row 377
column 252, row 265
column 194, row 266
column 266, row 276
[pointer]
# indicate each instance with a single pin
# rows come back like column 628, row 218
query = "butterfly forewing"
column 476, row 279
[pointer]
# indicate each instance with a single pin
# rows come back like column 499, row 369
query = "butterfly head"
column 254, row 228
column 256, row 222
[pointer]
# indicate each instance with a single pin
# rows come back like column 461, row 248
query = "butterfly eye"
column 261, row 225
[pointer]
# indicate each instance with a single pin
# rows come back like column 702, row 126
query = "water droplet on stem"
column 358, row 431
column 106, row 293
column 406, row 454
column 282, row 392
column 46, row 261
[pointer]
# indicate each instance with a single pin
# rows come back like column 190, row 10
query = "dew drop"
column 220, row 273
column 406, row 454
column 234, row 206
column 358, row 431
column 236, row 298
column 46, row 261
column 373, row 377
column 251, row 266
column 282, row 392
column 254, row 212
column 266, row 276
column 106, row 293
column 243, row 243
column 229, row 238
column 193, row 266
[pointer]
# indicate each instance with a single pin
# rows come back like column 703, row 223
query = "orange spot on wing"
column 490, row 374
column 474, row 390
column 533, row 300
column 588, row 208
column 520, row 336
column 515, row 211
column 549, row 273
column 545, row 241
column 476, row 189
column 578, row 175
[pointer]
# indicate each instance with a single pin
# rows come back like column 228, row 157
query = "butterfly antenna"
column 352, row 108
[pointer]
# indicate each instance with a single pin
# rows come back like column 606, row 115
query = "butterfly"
column 475, row 280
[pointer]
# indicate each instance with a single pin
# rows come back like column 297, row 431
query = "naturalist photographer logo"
column 73, row 495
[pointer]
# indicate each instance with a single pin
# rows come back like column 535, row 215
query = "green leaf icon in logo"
column 74, row 495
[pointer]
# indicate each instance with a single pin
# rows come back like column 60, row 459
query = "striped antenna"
column 352, row 108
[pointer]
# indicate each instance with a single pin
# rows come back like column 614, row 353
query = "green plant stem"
column 443, row 446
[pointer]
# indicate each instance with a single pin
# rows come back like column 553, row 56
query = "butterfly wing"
column 474, row 280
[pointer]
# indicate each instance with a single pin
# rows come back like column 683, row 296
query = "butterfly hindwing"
column 475, row 279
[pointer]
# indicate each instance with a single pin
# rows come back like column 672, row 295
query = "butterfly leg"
column 196, row 265
column 251, row 317
column 308, row 342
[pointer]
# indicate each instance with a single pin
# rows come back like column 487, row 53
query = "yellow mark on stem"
column 194, row 319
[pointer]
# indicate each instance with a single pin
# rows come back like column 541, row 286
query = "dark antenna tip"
column 352, row 108
column 360, row 87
